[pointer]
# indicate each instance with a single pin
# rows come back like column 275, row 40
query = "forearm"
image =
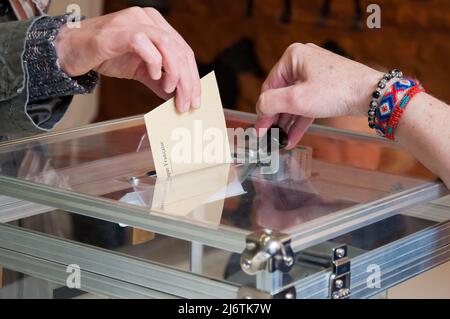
column 311, row 82
column 424, row 130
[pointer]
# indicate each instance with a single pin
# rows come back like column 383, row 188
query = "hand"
column 310, row 82
column 136, row 43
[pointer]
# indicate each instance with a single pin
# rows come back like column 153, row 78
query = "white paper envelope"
column 185, row 142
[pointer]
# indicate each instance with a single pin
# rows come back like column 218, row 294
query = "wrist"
column 63, row 50
column 45, row 77
column 364, row 90
column 76, row 48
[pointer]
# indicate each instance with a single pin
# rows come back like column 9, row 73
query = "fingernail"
column 186, row 107
column 197, row 103
column 158, row 75
column 183, row 107
column 170, row 88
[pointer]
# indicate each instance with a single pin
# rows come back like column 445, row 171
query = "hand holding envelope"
column 186, row 142
column 192, row 158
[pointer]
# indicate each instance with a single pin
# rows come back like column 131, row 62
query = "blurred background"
column 242, row 39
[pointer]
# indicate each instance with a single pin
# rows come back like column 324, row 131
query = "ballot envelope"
column 340, row 207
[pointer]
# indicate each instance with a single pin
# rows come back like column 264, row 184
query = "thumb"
column 275, row 101
column 294, row 99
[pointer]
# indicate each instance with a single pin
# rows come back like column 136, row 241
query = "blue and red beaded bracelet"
column 384, row 118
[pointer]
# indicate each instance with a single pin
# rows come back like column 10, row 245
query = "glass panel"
column 106, row 160
column 17, row 285
column 208, row 261
column 384, row 232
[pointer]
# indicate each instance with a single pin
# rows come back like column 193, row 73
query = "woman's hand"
column 136, row 43
column 310, row 82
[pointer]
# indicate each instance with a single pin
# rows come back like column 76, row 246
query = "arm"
column 136, row 43
column 309, row 82
column 14, row 91
column 43, row 62
column 34, row 92
column 424, row 130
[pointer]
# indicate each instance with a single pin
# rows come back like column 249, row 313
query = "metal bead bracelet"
column 395, row 73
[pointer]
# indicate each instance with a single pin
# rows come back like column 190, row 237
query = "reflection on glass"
column 177, row 195
column 101, row 161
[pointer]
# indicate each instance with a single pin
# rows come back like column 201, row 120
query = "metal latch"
column 267, row 251
column 340, row 278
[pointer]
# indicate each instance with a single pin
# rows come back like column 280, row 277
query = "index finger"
column 155, row 16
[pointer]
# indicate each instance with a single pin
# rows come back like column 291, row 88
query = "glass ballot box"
column 345, row 215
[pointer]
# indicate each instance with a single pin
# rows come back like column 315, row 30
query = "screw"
column 340, row 252
column 247, row 263
column 335, row 295
column 289, row 261
column 339, row 283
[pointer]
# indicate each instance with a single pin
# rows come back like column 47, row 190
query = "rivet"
column 340, row 252
column 339, row 284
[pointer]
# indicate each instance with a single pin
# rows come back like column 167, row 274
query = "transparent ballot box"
column 338, row 203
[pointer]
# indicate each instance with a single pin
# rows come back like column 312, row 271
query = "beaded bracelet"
column 400, row 108
column 392, row 97
column 395, row 73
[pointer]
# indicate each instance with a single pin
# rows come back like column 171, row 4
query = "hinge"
column 267, row 251
column 340, row 277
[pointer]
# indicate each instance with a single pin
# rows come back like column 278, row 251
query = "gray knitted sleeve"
column 46, row 79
